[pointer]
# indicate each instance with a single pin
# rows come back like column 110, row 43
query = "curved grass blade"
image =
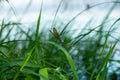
column 105, row 44
column 65, row 27
column 69, row 58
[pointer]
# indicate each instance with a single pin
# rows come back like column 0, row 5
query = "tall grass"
column 28, row 55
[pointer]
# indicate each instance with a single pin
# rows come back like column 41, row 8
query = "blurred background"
column 27, row 11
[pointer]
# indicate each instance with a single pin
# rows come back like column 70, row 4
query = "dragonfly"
column 56, row 34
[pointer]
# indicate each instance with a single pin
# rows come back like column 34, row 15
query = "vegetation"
column 56, row 55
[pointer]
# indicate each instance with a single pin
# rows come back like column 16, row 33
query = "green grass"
column 36, row 55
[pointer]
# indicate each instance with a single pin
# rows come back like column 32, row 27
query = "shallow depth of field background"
column 26, row 12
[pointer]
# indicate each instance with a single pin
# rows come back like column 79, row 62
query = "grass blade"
column 104, row 66
column 65, row 27
column 44, row 73
column 56, row 13
column 24, row 63
column 69, row 58
column 38, row 23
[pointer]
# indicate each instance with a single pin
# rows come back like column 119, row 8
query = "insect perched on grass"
column 56, row 34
